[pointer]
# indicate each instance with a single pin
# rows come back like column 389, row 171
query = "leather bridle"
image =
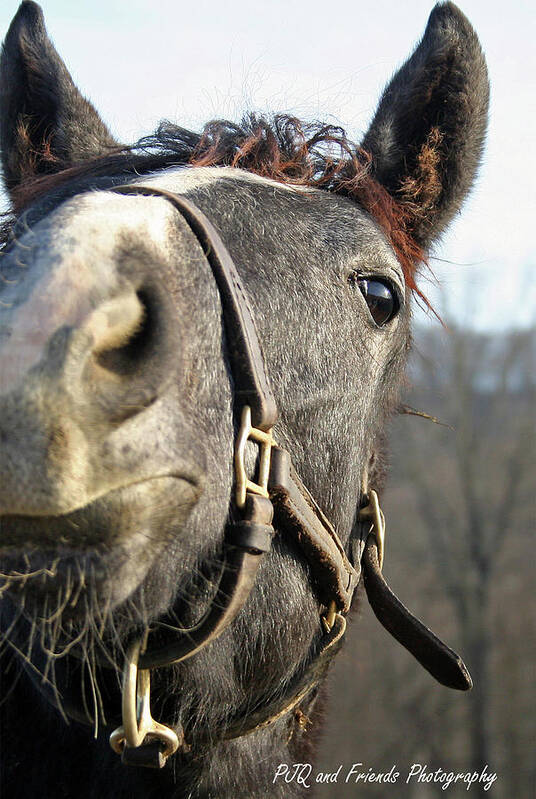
column 278, row 490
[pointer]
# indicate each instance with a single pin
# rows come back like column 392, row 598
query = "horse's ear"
column 427, row 135
column 45, row 123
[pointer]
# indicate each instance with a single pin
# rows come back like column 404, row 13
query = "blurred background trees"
column 461, row 512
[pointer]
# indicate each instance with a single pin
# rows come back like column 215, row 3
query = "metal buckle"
column 136, row 710
column 266, row 441
column 328, row 618
column 373, row 512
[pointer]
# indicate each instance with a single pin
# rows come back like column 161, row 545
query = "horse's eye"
column 381, row 299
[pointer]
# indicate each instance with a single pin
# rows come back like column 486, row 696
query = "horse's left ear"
column 45, row 123
column 427, row 135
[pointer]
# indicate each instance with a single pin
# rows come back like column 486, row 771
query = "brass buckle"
column 136, row 710
column 374, row 513
column 266, row 441
column 328, row 618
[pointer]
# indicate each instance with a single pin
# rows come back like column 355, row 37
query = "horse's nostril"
column 129, row 342
column 135, row 352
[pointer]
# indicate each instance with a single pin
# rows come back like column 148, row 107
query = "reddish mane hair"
column 283, row 149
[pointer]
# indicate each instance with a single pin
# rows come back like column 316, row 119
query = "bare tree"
column 486, row 462
column 461, row 506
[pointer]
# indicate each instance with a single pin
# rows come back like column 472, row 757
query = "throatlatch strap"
column 442, row 662
column 303, row 682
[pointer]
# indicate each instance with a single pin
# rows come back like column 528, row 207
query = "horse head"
column 121, row 393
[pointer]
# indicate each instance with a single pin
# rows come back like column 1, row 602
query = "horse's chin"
column 96, row 556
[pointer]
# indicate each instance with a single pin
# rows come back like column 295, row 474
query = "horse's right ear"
column 427, row 135
column 45, row 123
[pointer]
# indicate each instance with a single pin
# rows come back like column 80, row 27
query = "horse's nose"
column 111, row 356
column 74, row 366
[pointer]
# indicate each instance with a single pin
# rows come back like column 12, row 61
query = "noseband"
column 278, row 500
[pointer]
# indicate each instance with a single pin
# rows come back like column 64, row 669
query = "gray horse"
column 158, row 303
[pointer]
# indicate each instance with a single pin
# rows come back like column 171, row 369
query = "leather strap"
column 442, row 662
column 335, row 578
column 302, row 683
column 297, row 513
column 248, row 540
column 251, row 383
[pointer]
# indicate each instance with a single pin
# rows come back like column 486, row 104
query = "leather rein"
column 278, row 491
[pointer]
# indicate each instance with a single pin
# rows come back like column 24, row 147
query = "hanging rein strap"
column 278, row 488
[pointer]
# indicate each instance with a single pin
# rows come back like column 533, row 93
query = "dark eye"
column 381, row 299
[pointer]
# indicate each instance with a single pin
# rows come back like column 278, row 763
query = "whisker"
column 34, row 668
column 81, row 585
column 16, row 677
column 67, row 648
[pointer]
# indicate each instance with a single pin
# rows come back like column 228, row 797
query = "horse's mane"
column 283, row 148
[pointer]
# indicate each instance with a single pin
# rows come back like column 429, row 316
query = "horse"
column 202, row 337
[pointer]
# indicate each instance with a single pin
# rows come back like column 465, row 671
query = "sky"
column 142, row 61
